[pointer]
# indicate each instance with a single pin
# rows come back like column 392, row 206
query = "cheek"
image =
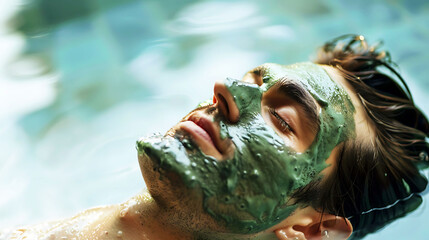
column 263, row 160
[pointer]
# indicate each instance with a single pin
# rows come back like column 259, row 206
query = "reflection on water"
column 111, row 71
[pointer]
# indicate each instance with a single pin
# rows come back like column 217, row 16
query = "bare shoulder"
column 84, row 225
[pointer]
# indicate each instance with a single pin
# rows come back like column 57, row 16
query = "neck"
column 142, row 218
column 142, row 212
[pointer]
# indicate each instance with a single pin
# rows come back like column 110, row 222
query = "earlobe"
column 289, row 234
column 335, row 227
column 309, row 224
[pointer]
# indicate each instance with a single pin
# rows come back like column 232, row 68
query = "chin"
column 157, row 185
column 164, row 186
column 177, row 201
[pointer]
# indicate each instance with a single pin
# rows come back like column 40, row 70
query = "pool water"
column 82, row 80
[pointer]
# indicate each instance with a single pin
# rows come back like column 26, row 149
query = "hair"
column 374, row 181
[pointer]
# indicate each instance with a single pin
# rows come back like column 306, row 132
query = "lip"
column 206, row 134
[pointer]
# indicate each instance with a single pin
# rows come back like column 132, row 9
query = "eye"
column 284, row 126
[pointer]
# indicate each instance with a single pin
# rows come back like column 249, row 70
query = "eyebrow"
column 260, row 71
column 294, row 90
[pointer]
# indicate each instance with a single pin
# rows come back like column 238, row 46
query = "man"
column 303, row 151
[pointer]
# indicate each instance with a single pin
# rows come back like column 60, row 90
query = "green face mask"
column 250, row 191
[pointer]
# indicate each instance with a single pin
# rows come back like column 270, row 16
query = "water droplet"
column 123, row 212
column 255, row 173
column 223, row 130
column 424, row 156
column 119, row 234
column 193, row 164
column 187, row 144
column 325, row 234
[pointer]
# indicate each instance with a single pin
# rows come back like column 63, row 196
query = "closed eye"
column 284, row 126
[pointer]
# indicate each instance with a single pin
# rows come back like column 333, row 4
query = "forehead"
column 312, row 76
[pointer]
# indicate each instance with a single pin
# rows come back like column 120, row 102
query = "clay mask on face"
column 250, row 191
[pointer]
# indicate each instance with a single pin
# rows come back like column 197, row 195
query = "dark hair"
column 374, row 182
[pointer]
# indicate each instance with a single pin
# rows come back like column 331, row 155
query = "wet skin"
column 265, row 137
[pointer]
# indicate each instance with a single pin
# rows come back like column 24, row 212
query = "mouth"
column 206, row 135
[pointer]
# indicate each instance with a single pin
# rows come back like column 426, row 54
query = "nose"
column 226, row 102
column 236, row 98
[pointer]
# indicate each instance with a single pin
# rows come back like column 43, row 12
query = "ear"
column 309, row 224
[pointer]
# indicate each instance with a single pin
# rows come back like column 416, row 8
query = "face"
column 264, row 137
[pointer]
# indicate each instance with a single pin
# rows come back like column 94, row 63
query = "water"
column 94, row 76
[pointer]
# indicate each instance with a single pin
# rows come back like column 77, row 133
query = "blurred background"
column 82, row 80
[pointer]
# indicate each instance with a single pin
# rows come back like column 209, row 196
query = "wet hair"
column 375, row 180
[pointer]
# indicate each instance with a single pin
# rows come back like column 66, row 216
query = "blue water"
column 82, row 80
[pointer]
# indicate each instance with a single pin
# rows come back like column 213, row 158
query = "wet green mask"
column 250, row 191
